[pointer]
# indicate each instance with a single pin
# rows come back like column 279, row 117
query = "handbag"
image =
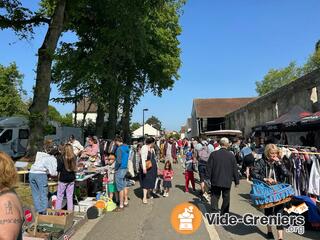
column 148, row 164
column 148, row 161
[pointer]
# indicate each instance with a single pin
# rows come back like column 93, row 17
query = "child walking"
column 112, row 189
column 167, row 178
column 189, row 169
column 67, row 175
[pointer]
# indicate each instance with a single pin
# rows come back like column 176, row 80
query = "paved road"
column 152, row 221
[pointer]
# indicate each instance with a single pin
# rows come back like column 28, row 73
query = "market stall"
column 296, row 127
column 60, row 224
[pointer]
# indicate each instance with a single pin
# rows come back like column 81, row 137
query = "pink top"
column 92, row 150
column 167, row 175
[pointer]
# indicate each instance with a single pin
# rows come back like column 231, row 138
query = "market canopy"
column 290, row 121
column 313, row 119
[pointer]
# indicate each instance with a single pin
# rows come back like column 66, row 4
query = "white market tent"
column 148, row 130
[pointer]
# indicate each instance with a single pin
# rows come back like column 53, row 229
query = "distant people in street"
column 186, row 145
column 170, row 151
column 247, row 157
column 180, row 146
column 167, row 178
column 149, row 169
column 211, row 146
column 112, row 188
column 45, row 164
column 112, row 147
column 189, row 169
column 216, row 146
column 121, row 169
column 235, row 148
column 92, row 149
column 271, row 170
column 162, row 153
column 67, row 167
column 202, row 156
column 222, row 170
column 11, row 209
column 76, row 145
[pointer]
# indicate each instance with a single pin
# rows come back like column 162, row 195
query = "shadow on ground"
column 182, row 188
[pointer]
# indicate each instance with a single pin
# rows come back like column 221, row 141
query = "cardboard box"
column 38, row 236
column 65, row 221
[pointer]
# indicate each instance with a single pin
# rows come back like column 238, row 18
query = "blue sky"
column 226, row 46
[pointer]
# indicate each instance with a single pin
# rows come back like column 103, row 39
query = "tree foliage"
column 276, row 78
column 154, row 122
column 174, row 135
column 120, row 55
column 14, row 16
column 11, row 103
column 134, row 126
column 54, row 115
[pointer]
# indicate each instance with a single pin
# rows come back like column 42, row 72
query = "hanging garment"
column 314, row 182
column 296, row 174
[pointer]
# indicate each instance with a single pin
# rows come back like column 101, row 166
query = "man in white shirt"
column 77, row 147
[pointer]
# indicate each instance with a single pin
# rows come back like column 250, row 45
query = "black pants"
column 273, row 211
column 215, row 196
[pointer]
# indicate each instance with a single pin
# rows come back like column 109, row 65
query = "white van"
column 14, row 135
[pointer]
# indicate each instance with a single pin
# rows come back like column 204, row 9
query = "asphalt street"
column 152, row 221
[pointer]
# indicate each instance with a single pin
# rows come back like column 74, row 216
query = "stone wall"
column 278, row 102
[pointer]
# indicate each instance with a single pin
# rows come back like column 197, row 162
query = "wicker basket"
column 266, row 196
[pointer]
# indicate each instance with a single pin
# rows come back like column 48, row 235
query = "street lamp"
column 144, row 110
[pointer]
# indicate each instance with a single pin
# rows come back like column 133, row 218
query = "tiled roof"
column 218, row 107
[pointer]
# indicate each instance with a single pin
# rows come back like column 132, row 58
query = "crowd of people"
column 218, row 163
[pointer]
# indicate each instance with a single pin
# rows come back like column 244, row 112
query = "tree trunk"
column 113, row 113
column 126, row 134
column 100, row 120
column 39, row 107
column 75, row 108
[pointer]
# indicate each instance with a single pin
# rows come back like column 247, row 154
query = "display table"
column 90, row 183
column 52, row 185
column 24, row 173
column 86, row 177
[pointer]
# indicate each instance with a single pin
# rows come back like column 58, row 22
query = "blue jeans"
column 39, row 188
column 120, row 179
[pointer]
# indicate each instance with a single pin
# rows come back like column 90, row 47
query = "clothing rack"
column 300, row 152
column 293, row 146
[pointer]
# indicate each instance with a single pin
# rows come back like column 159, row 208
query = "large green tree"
column 15, row 16
column 125, row 48
column 276, row 78
column 11, row 102
column 313, row 61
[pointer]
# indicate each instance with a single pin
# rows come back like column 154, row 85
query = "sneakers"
column 206, row 197
column 166, row 195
